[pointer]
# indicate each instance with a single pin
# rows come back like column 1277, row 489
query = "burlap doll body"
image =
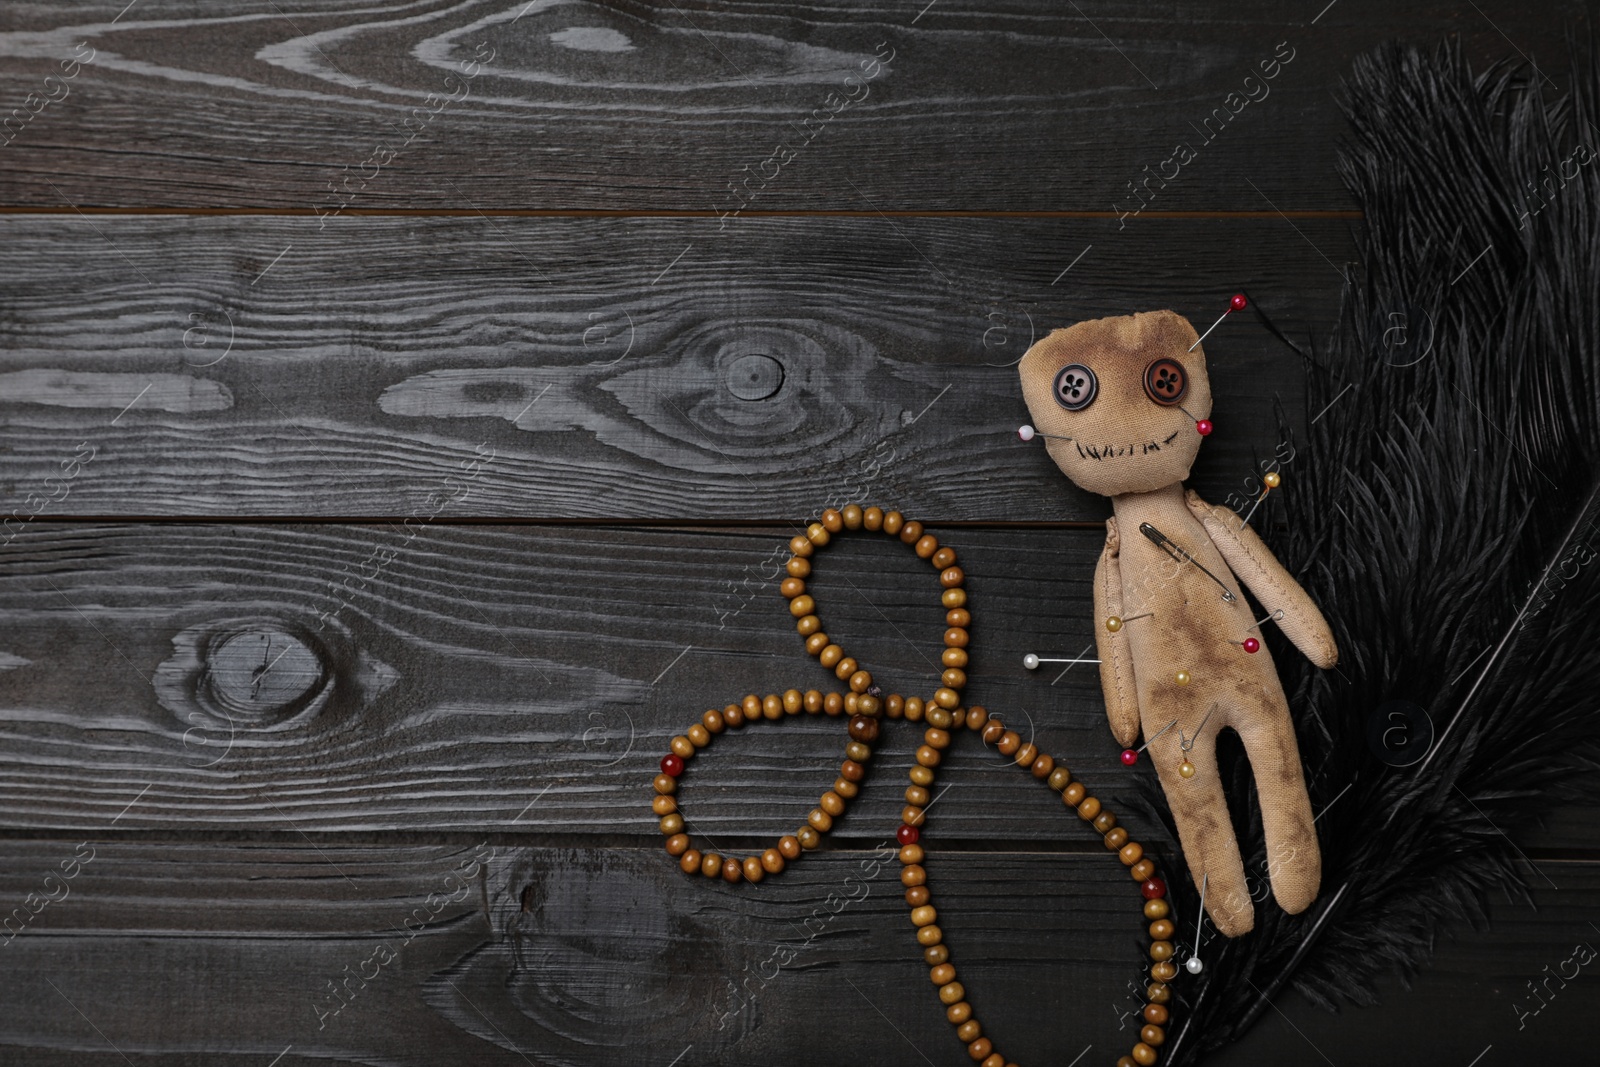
column 1122, row 391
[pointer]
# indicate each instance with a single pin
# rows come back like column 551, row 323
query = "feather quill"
column 1447, row 519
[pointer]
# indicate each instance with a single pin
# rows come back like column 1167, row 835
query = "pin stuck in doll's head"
column 1118, row 400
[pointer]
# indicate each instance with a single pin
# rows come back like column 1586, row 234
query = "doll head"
column 1119, row 387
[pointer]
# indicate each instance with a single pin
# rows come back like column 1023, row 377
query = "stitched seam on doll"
column 1109, row 654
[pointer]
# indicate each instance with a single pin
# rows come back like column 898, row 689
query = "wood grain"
column 182, row 953
column 594, row 368
column 647, row 106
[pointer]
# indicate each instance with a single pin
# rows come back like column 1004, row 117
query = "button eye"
column 1075, row 387
column 1165, row 381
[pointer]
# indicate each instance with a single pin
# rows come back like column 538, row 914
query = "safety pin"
column 1166, row 543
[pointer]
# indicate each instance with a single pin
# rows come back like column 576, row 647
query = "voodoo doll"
column 1122, row 404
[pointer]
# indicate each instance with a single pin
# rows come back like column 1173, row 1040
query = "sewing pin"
column 1166, row 543
column 1236, row 304
column 1114, row 622
column 1028, row 433
column 1130, row 756
column 1193, row 964
column 1185, row 742
column 1272, row 479
column 1032, row 661
column 1201, row 426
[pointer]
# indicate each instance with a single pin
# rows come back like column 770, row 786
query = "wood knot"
column 754, row 377
column 261, row 674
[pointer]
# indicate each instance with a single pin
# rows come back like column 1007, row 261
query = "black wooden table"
column 403, row 406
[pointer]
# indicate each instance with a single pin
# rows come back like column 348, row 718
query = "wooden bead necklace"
column 942, row 714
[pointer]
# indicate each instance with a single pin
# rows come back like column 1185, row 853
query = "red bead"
column 672, row 764
column 1204, row 427
column 1237, row 303
column 1252, row 645
column 1153, row 889
column 907, row 835
column 1129, row 757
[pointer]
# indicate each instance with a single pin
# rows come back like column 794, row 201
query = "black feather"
column 1446, row 516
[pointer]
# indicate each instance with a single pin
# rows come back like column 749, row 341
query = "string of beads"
column 942, row 716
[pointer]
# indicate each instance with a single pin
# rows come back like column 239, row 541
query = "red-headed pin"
column 1238, row 303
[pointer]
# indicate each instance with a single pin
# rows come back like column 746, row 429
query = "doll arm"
column 1116, row 658
column 1274, row 587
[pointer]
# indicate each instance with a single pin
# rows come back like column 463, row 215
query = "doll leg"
column 1294, row 862
column 1204, row 831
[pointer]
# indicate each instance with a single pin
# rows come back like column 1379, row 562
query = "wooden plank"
column 601, row 368
column 500, row 954
column 481, row 678
column 340, row 106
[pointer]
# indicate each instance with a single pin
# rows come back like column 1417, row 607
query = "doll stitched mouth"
column 1107, row 451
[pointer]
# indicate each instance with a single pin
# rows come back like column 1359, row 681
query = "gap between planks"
column 669, row 213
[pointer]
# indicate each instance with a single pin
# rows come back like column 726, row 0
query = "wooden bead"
column 1026, row 754
column 772, row 861
column 915, row 874
column 801, row 546
column 832, row 803
column 753, row 871
column 977, row 717
column 1165, row 971
column 1152, row 1035
column 863, row 729
column 677, row 844
column 698, row 736
column 665, row 783
column 772, row 706
column 733, row 715
column 852, row 770
column 911, row 532
column 751, row 707
column 1116, row 838
column 956, row 637
column 1162, row 930
column 813, row 698
column 1009, row 742
column 1043, row 767
column 817, row 534
column 845, row 668
column 996, row 1060
column 663, row 805
column 690, row 861
column 846, row 788
column 867, row 704
column 1160, row 950
column 833, row 704
column 789, row 847
column 808, row 625
column 910, row 854
column 860, row 681
column 924, row 916
column 711, row 865
column 936, row 738
column 951, row 577
column 943, row 558
column 1143, row 1054
column 681, row 747
column 1074, row 794
column 830, row 655
column 958, row 1013
column 712, row 721
column 1158, row 993
column 1142, row 870
column 914, row 709
column 732, row 870
column 791, row 588
column 993, row 731
column 793, row 701
column 980, row 1048
column 798, row 567
column 872, row 518
column 946, row 697
column 1156, row 909
column 1155, row 1013
column 953, row 657
column 1126, row 1061
column 927, row 756
column 953, row 598
column 814, row 646
column 1059, row 779
column 851, row 515
column 857, row 751
column 911, row 815
column 934, row 955
column 892, row 523
column 1088, row 809
column 1105, row 822
column 832, row 521
column 929, row 935
column 917, row 896
column 942, row 718
column 1131, row 853
column 671, row 825
column 970, row 1030
column 820, row 820
column 952, row 992
column 953, row 677
column 958, row 617
column 917, row 795
column 920, row 775
column 808, row 837
column 926, row 546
